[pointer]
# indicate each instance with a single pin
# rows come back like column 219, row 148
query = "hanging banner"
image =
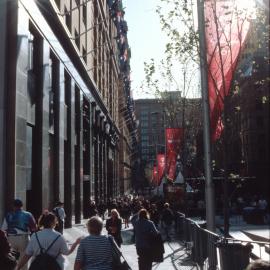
column 160, row 166
column 226, row 28
column 174, row 138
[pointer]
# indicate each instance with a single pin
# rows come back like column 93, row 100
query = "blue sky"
column 145, row 38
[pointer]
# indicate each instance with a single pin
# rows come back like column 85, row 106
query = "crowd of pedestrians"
column 22, row 239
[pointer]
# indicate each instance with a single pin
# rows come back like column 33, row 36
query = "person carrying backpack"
column 47, row 247
column 59, row 212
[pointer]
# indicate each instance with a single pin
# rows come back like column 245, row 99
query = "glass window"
column 84, row 13
column 144, row 118
column 144, row 131
column 144, row 138
column 145, row 151
column 77, row 39
column 144, row 124
column 144, row 113
column 84, row 55
column 144, row 143
column 68, row 19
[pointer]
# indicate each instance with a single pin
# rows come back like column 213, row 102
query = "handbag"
column 119, row 261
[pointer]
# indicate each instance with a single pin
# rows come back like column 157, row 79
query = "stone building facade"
column 61, row 127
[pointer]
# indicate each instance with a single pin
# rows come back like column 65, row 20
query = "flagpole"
column 209, row 187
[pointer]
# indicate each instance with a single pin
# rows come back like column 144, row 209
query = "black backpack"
column 44, row 261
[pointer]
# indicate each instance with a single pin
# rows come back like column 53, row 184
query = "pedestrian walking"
column 95, row 250
column 19, row 224
column 101, row 208
column 134, row 219
column 59, row 212
column 145, row 230
column 50, row 241
column 125, row 213
column 154, row 215
column 167, row 218
column 114, row 226
column 92, row 211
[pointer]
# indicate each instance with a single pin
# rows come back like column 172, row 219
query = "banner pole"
column 209, row 187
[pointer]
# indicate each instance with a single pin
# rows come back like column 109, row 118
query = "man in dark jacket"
column 145, row 230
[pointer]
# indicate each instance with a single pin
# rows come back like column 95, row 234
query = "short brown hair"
column 47, row 220
column 95, row 225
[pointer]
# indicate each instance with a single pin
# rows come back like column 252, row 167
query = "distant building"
column 155, row 115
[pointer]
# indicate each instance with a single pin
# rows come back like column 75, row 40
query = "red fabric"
column 160, row 166
column 174, row 138
column 232, row 32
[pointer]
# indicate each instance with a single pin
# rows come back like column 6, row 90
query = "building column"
column 69, row 150
column 87, row 145
column 46, row 189
column 3, row 25
column 96, row 144
column 61, row 132
column 78, row 154
column 105, row 153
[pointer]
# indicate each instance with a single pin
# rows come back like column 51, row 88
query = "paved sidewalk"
column 175, row 256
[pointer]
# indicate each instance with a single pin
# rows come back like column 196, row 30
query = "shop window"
column 84, row 13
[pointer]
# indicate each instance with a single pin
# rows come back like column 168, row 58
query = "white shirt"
column 46, row 237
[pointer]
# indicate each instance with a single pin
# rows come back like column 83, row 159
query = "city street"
column 158, row 106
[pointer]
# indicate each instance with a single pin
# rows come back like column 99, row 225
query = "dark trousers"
column 144, row 259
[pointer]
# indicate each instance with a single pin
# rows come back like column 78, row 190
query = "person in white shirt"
column 46, row 237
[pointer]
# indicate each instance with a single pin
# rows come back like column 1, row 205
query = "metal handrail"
column 203, row 242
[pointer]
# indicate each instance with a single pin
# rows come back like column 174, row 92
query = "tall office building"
column 155, row 115
column 63, row 89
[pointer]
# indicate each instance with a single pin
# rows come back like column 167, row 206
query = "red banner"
column 227, row 24
column 174, row 138
column 155, row 175
column 160, row 166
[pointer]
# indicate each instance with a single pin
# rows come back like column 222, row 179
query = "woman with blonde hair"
column 114, row 226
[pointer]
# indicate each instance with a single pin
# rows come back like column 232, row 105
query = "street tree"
column 227, row 24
